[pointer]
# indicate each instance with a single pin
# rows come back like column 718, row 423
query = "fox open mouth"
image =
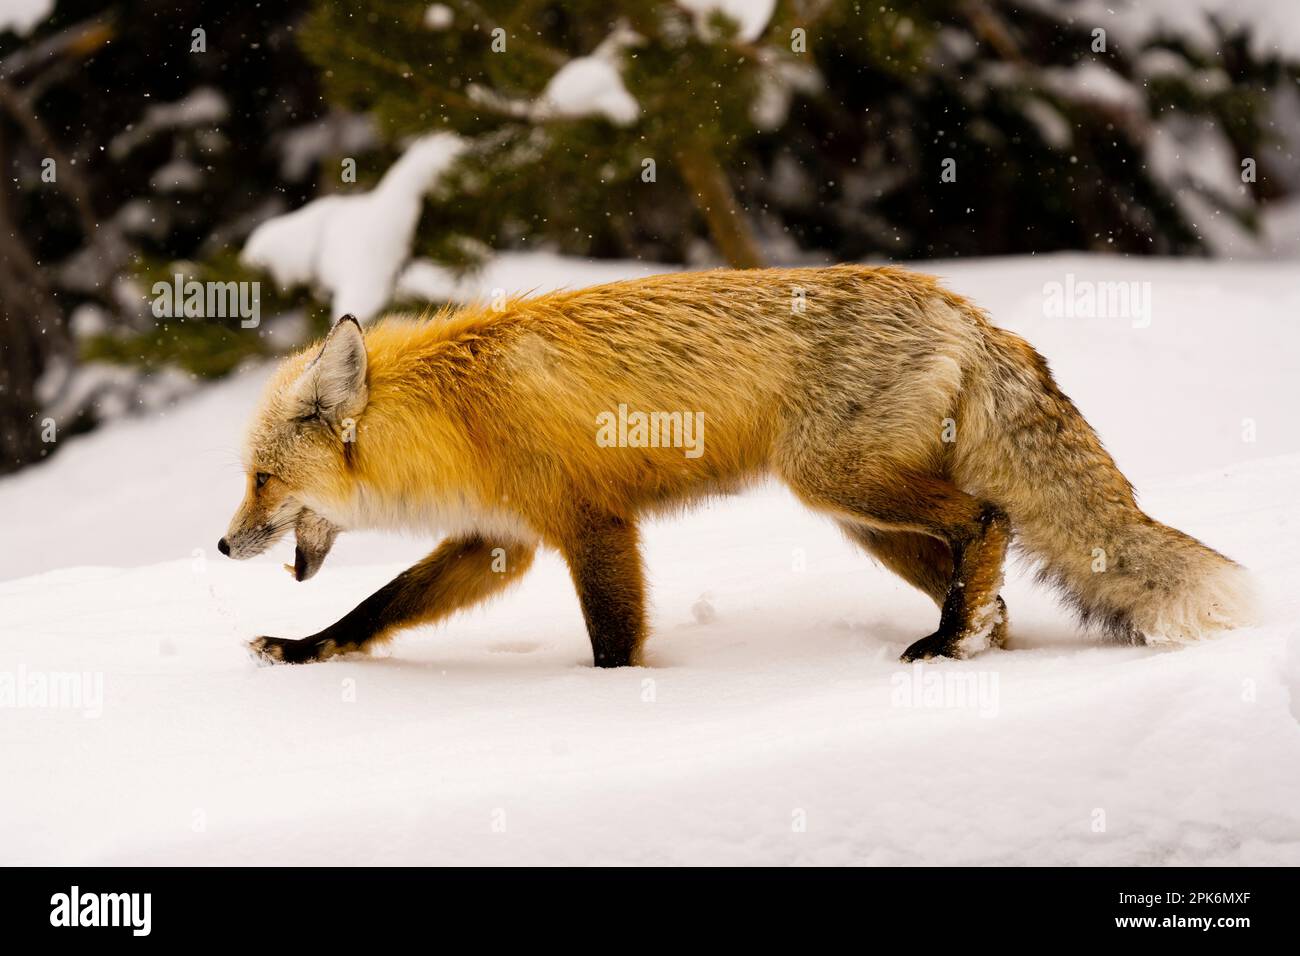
column 314, row 536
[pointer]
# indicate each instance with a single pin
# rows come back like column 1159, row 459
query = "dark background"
column 167, row 156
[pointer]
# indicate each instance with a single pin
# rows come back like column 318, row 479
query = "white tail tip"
column 1222, row 600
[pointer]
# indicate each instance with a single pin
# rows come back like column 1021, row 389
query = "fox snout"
column 259, row 522
column 249, row 546
column 245, row 543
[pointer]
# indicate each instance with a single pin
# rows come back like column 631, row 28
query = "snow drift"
column 773, row 724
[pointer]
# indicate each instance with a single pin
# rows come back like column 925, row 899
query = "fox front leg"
column 461, row 572
column 605, row 563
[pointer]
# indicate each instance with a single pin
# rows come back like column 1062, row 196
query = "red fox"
column 892, row 405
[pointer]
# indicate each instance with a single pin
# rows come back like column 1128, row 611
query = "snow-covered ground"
column 774, row 723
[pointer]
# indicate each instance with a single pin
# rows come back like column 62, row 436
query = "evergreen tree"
column 831, row 129
column 682, row 131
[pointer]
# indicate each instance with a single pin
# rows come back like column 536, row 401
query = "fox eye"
column 261, row 478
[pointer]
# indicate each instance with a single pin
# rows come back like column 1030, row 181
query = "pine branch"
column 544, row 51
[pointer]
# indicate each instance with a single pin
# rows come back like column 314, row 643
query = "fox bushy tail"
column 1028, row 449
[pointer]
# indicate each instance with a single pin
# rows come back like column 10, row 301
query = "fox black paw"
column 937, row 644
column 278, row 650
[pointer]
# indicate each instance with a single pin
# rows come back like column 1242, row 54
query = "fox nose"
column 223, row 546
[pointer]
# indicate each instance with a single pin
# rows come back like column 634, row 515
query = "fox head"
column 296, row 454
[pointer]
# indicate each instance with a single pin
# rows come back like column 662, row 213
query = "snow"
column 592, row 86
column 1051, row 125
column 750, row 16
column 1274, row 27
column 1089, row 80
column 438, row 16
column 779, row 79
column 354, row 246
column 1281, row 227
column 336, row 134
column 24, row 16
column 204, row 106
column 1200, row 167
column 773, row 723
column 179, row 175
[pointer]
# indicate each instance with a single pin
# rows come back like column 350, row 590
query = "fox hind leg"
column 919, row 559
column 882, row 496
column 922, row 561
column 972, row 612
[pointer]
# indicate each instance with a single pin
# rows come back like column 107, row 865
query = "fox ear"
column 334, row 385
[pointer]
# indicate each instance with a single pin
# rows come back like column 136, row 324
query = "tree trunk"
column 713, row 197
column 31, row 331
column 25, row 348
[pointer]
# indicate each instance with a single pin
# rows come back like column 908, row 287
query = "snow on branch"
column 750, row 16
column 592, row 85
column 24, row 16
column 353, row 247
